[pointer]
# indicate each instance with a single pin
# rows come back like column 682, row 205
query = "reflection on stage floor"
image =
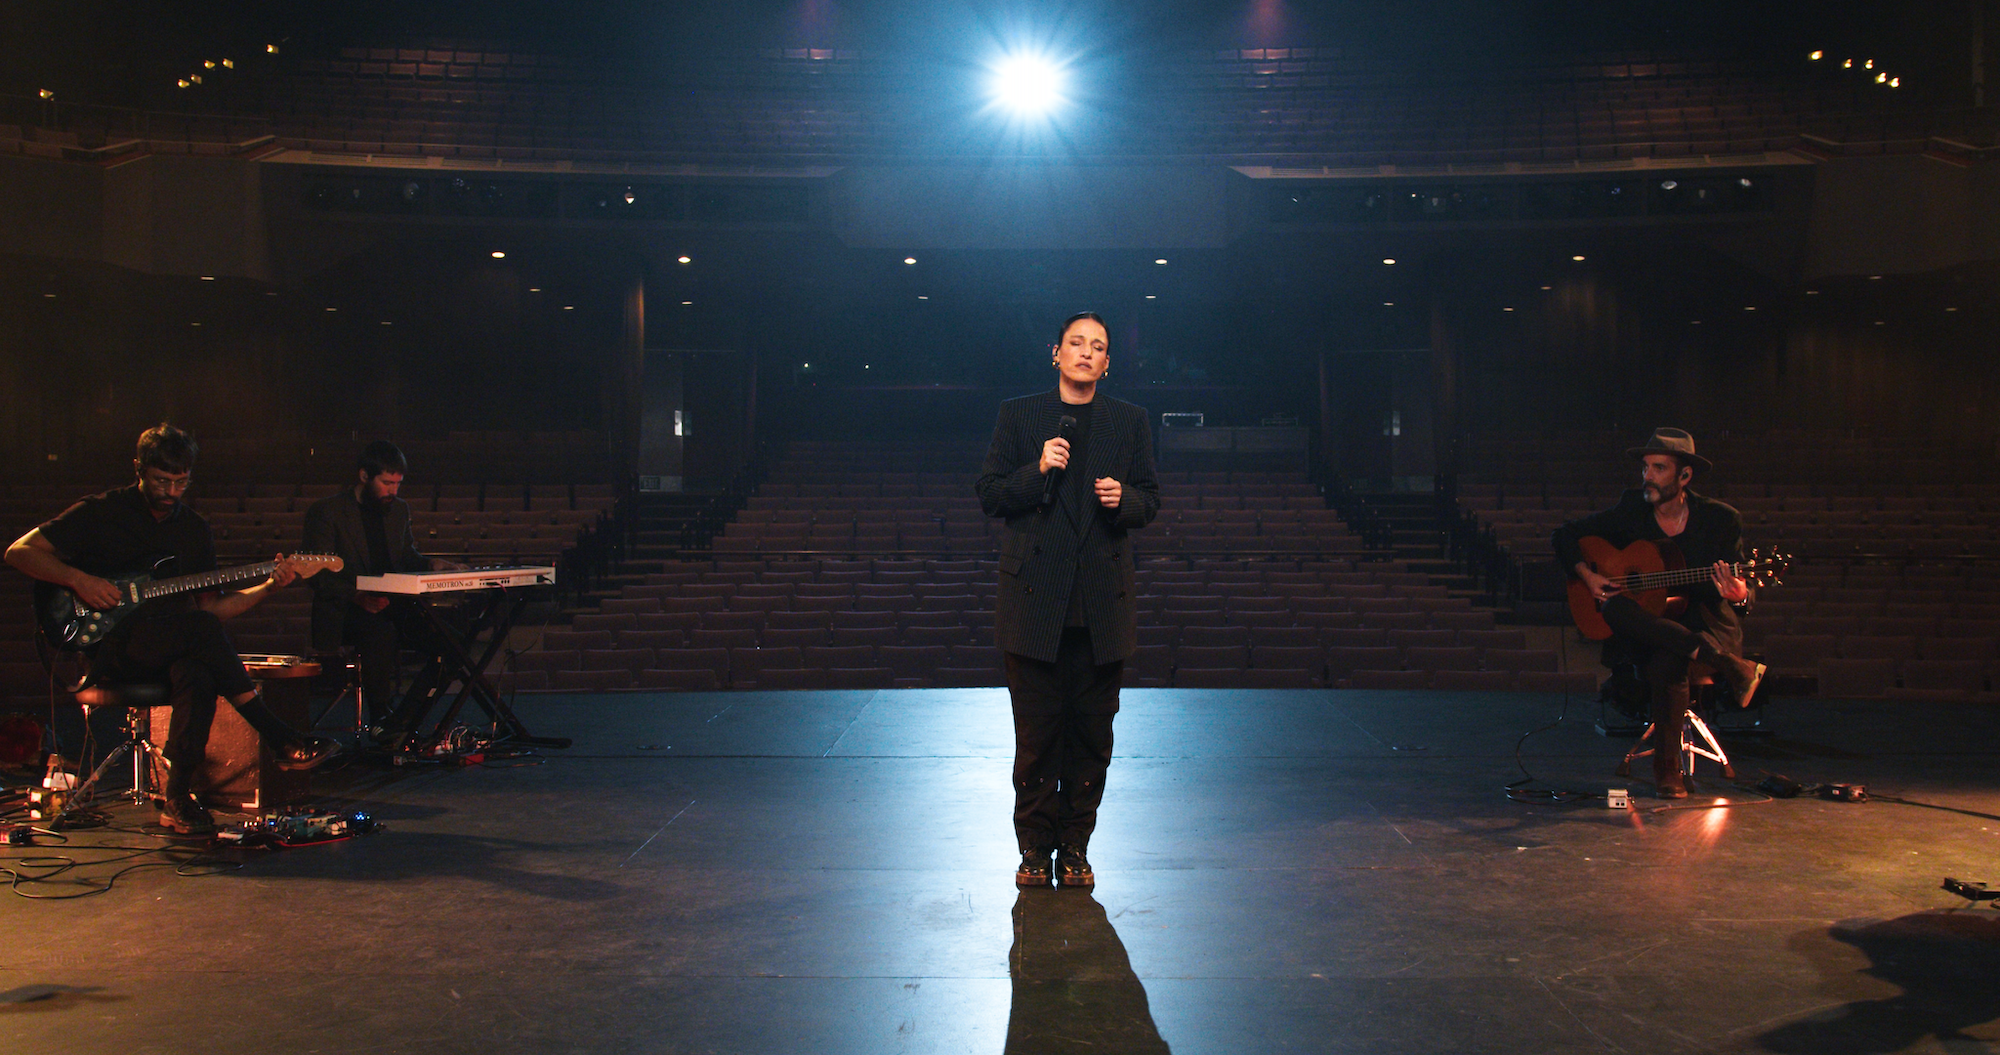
column 830, row 872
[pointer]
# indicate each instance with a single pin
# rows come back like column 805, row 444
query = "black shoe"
column 1034, row 870
column 1073, row 868
column 307, row 753
column 185, row 815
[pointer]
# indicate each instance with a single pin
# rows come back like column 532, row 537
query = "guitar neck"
column 203, row 580
column 1654, row 580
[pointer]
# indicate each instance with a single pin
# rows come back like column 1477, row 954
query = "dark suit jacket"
column 1043, row 557
column 1714, row 532
column 333, row 525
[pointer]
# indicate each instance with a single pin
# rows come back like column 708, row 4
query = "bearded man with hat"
column 1709, row 629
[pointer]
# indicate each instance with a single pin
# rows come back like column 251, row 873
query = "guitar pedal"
column 1618, row 798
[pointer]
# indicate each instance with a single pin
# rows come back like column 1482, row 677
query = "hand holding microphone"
column 1055, row 457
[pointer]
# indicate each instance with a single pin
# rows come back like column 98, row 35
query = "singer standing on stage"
column 1071, row 470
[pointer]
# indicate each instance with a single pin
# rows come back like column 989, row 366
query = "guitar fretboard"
column 1657, row 580
column 203, row 580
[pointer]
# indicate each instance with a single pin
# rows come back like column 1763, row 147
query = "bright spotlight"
column 1029, row 85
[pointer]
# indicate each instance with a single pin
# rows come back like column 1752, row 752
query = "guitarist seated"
column 175, row 639
column 1697, row 532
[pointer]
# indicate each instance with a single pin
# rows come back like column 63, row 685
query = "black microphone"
column 1063, row 428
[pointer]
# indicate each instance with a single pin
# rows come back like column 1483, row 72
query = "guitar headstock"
column 307, row 565
column 1765, row 570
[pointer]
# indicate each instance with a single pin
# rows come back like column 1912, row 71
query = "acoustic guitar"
column 1651, row 573
column 73, row 626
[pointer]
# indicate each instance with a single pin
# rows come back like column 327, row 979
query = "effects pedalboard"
column 299, row 827
column 459, row 745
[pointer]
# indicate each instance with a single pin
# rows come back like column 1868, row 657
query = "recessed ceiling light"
column 687, row 260
column 1578, row 258
column 1951, row 309
column 1548, row 287
column 1161, row 261
column 1388, row 303
column 687, row 304
column 1506, row 309
column 333, row 309
column 909, row 260
column 1150, row 296
column 1389, row 260
column 386, row 322
column 569, row 307
column 208, row 278
column 498, row 255
column 534, row 289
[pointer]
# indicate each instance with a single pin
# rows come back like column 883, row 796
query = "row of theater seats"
column 634, row 662
column 1302, row 623
column 1972, row 680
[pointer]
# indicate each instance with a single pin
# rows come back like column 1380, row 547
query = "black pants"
column 1666, row 648
column 192, row 653
column 1062, row 742
column 376, row 638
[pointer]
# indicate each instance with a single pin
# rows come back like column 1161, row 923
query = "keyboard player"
column 368, row 525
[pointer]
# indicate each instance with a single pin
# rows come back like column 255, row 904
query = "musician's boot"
column 1742, row 675
column 185, row 815
column 180, row 812
column 1667, row 782
column 295, row 750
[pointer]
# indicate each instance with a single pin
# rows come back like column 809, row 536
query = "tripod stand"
column 136, row 699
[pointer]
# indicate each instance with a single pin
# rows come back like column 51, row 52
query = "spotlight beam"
column 1027, row 84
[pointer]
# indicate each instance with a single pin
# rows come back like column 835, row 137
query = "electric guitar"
column 1649, row 572
column 73, row 626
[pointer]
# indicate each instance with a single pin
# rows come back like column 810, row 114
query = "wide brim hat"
column 1676, row 442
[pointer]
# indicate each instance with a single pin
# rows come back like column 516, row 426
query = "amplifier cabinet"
column 240, row 775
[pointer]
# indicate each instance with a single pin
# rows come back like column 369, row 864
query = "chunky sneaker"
column 1034, row 870
column 1073, row 868
column 307, row 753
column 185, row 815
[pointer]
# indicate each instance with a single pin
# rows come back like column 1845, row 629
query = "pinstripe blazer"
column 1043, row 557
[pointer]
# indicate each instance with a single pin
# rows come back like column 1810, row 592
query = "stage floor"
column 832, row 872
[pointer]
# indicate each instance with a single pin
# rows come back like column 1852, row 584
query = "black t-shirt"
column 114, row 535
column 373, row 526
column 1075, row 491
column 1078, row 492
